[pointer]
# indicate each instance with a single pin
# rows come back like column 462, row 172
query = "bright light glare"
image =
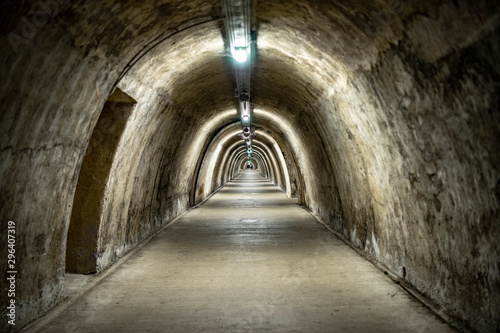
column 246, row 117
column 240, row 55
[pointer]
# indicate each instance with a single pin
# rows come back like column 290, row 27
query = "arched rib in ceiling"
column 233, row 152
column 279, row 154
column 241, row 156
column 357, row 107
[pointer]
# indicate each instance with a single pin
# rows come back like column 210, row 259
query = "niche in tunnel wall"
column 83, row 233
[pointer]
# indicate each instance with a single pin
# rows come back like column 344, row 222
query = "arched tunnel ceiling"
column 191, row 68
column 384, row 113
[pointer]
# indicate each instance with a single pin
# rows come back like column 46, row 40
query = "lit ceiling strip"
column 239, row 36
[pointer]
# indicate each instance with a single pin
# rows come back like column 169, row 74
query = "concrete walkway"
column 248, row 260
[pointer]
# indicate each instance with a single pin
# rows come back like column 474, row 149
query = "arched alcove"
column 83, row 233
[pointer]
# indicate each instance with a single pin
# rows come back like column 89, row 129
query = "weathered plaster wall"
column 83, row 232
column 403, row 141
column 214, row 162
column 53, row 88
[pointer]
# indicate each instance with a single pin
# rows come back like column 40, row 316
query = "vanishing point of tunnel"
column 250, row 165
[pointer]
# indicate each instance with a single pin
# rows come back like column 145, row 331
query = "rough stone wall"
column 410, row 138
column 53, row 88
column 131, row 180
column 291, row 164
column 439, row 153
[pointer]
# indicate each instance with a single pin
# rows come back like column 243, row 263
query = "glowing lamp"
column 240, row 55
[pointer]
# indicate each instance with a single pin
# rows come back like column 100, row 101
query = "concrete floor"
column 248, row 260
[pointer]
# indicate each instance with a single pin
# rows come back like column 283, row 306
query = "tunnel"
column 381, row 118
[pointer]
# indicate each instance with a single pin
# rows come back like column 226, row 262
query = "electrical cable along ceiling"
column 241, row 43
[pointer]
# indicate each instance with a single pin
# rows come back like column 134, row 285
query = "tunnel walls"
column 437, row 144
column 41, row 158
column 134, row 204
column 417, row 176
column 216, row 161
column 402, row 144
column 84, row 225
column 54, row 85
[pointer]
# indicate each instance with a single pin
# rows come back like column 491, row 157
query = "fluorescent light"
column 240, row 55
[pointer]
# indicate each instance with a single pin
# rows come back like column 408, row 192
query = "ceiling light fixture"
column 240, row 55
column 241, row 37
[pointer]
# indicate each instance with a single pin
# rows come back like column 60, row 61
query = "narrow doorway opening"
column 83, row 233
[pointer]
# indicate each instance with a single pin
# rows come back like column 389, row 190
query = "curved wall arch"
column 269, row 169
column 263, row 164
column 253, row 162
column 282, row 163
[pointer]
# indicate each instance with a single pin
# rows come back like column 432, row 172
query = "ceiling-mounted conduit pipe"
column 256, row 156
column 255, row 162
column 270, row 172
column 241, row 156
column 238, row 24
